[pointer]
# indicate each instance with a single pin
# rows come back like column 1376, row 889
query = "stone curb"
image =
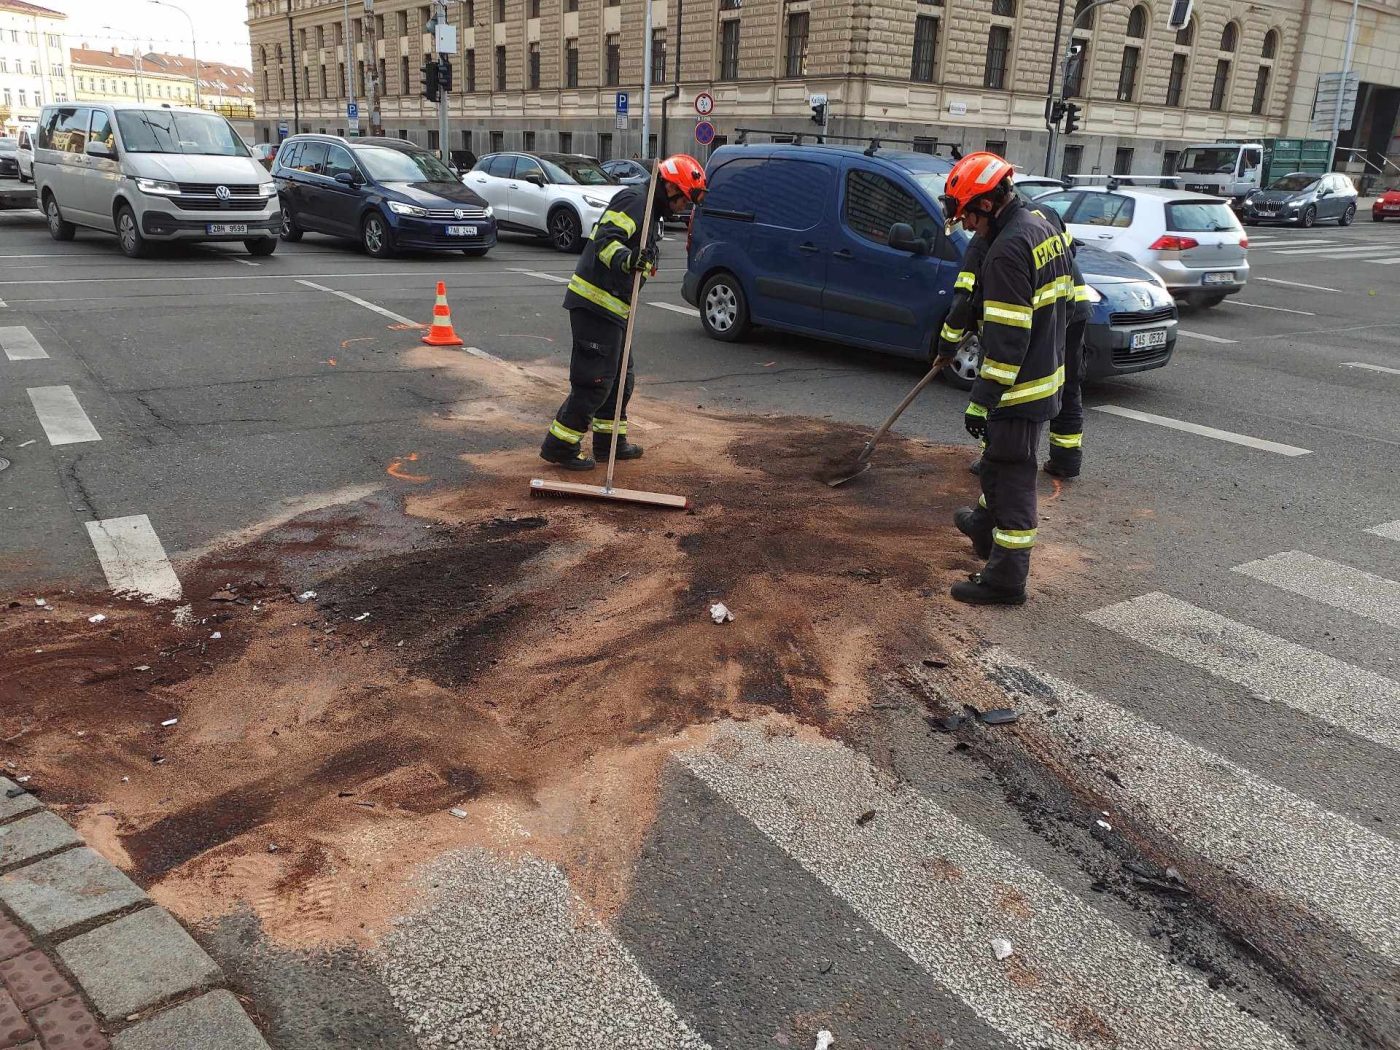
column 88, row 960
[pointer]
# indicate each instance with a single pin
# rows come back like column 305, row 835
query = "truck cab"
column 1225, row 169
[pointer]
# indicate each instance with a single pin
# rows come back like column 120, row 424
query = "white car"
column 26, row 153
column 560, row 196
column 1033, row 187
column 1192, row 241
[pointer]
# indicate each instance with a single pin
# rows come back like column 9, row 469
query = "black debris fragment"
column 936, row 663
column 866, row 817
column 999, row 716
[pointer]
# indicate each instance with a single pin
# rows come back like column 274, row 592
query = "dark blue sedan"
column 387, row 194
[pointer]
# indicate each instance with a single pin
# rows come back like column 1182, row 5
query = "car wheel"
column 129, row 233
column 290, row 230
column 23, row 178
column 1377, row 218
column 475, row 253
column 59, row 228
column 961, row 372
column 262, row 246
column 565, row 233
column 724, row 312
column 1309, row 217
column 1348, row 216
column 376, row 236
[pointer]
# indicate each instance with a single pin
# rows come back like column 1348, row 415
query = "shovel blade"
column 856, row 471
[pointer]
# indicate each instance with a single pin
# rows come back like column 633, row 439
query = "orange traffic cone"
column 441, row 333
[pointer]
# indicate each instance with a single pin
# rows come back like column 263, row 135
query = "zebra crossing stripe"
column 20, row 345
column 1273, row 669
column 1332, row 583
column 941, row 892
column 1290, row 848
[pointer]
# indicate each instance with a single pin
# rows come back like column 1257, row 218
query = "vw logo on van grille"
column 459, row 214
column 222, row 192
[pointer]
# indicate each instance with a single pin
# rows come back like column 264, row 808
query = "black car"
column 1302, row 198
column 385, row 193
column 9, row 157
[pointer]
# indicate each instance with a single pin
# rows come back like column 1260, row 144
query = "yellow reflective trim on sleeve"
column 1061, row 287
column 982, row 501
column 1003, row 374
column 564, row 433
column 594, row 294
column 966, row 282
column 608, row 252
column 1081, row 293
column 1014, row 539
column 620, row 219
column 1067, row 237
column 1066, row 440
column 1034, row 389
column 1007, row 314
column 974, row 409
column 951, row 334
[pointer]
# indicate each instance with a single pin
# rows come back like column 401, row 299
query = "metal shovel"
column 862, row 461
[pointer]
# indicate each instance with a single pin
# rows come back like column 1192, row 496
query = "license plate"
column 227, row 227
column 1223, row 277
column 1147, row 340
column 1392, row 207
column 461, row 231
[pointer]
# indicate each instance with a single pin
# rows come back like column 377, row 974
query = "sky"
column 219, row 26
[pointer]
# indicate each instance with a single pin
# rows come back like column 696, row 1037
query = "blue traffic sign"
column 352, row 110
column 704, row 132
column 622, row 103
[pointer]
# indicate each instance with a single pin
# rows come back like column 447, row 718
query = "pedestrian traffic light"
column 1054, row 112
column 445, row 74
column 819, row 114
column 428, row 78
column 1071, row 118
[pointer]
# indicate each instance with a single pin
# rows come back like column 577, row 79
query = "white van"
column 25, row 155
column 151, row 173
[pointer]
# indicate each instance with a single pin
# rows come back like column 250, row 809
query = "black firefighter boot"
column 566, row 454
column 973, row 523
column 602, row 443
column 1064, row 462
column 977, row 591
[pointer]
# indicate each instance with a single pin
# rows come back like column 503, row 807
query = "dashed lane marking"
column 688, row 311
column 1261, row 306
column 133, row 559
column 1331, row 583
column 400, row 318
column 1390, row 530
column 1299, row 284
column 20, row 344
column 1207, row 338
column 1370, row 367
column 1333, row 252
column 1204, row 431
column 61, row 416
column 1273, row 670
column 1393, row 261
column 543, row 276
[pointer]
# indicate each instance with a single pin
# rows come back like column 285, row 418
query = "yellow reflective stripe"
column 564, row 433
column 609, row 251
column 974, row 409
column 606, row 426
column 594, row 294
column 1081, row 293
column 620, row 218
column 982, row 501
column 1003, row 374
column 1060, row 288
column 967, row 280
column 1067, row 237
column 1034, row 389
column 1007, row 313
column 1066, row 440
column 951, row 334
column 1015, row 539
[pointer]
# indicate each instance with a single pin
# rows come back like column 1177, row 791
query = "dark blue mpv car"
column 385, row 193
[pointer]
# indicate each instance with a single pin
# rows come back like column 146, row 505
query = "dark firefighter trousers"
column 1006, row 513
column 1067, row 428
column 593, row 365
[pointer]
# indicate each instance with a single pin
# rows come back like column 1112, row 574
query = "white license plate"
column 1147, row 340
column 227, row 227
column 1391, row 207
column 1222, row 277
column 461, row 231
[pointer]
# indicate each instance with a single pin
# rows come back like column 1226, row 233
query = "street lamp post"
column 194, row 45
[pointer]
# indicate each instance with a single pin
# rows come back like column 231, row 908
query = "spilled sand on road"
column 530, row 663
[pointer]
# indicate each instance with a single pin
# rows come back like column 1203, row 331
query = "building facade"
column 33, row 62
column 134, row 76
column 544, row 74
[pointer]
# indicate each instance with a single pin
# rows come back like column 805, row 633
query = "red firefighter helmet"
column 686, row 174
column 974, row 175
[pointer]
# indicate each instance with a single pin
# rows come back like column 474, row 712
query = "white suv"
column 1192, row 241
column 560, row 196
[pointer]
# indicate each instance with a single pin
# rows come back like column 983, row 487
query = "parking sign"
column 622, row 103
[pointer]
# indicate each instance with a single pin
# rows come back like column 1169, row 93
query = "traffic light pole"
column 646, row 83
column 1068, row 58
column 440, row 9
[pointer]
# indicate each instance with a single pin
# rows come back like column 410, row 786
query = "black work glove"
column 649, row 257
column 975, row 421
column 943, row 351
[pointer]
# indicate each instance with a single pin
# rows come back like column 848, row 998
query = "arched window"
column 1004, row 8
column 1230, row 38
column 1271, row 43
column 1186, row 35
column 1137, row 22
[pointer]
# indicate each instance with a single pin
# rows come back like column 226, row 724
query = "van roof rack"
column 1114, row 181
column 874, row 143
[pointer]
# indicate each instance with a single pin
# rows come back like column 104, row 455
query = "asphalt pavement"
column 1214, row 624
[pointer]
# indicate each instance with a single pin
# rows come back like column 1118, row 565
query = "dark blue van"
column 831, row 241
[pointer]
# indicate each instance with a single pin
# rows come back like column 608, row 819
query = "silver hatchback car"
column 1192, row 241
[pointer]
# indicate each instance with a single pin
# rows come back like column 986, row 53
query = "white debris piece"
column 143, row 667
column 41, row 602
column 97, row 618
column 719, row 612
column 184, row 616
column 216, row 636
column 1001, row 948
column 306, row 596
column 22, row 780
column 824, row 1040
column 460, row 814
column 171, row 722
column 1104, row 824
column 362, row 616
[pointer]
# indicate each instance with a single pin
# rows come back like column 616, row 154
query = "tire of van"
column 261, row 246
column 961, row 373
column 133, row 245
column 59, row 228
column 724, row 312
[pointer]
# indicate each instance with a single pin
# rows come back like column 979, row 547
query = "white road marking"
column 61, row 416
column 1274, row 670
column 400, row 318
column 1373, row 368
column 1331, row 583
column 1390, row 530
column 1210, row 432
column 1384, row 262
column 222, row 277
column 688, row 311
column 1298, row 284
column 543, row 276
column 1207, row 338
column 20, row 344
column 1261, row 306
column 1289, row 847
column 133, row 559
column 245, row 262
column 1333, row 252
column 941, row 891
column 4, row 305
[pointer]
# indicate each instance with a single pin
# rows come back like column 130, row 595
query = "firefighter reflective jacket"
column 1027, row 292
column 602, row 281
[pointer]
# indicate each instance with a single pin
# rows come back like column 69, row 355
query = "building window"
column 1169, row 161
column 1074, row 83
column 614, row 3
column 566, row 142
column 534, row 8
column 403, row 76
column 1229, row 39
column 1004, row 8
column 1074, row 160
column 534, row 57
column 571, row 5
column 403, row 26
column 305, row 81
column 1270, row 44
column 729, row 50
column 381, row 78
column 614, row 68
column 1176, row 83
column 1127, row 74
column 997, row 146
column 471, row 70
column 1123, row 161
column 529, row 142
column 658, row 56
column 500, row 10
column 1083, row 23
column 604, row 146
column 925, row 48
column 501, row 68
column 360, row 79
column 998, row 46
column 1261, row 91
column 1222, row 81
column 498, row 141
column 1137, row 22
column 1186, row 34
column 796, row 64
column 571, row 63
column 325, row 92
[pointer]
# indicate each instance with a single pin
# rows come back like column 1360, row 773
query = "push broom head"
column 540, row 487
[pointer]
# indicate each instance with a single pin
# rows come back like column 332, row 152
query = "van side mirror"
column 901, row 238
column 99, row 148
